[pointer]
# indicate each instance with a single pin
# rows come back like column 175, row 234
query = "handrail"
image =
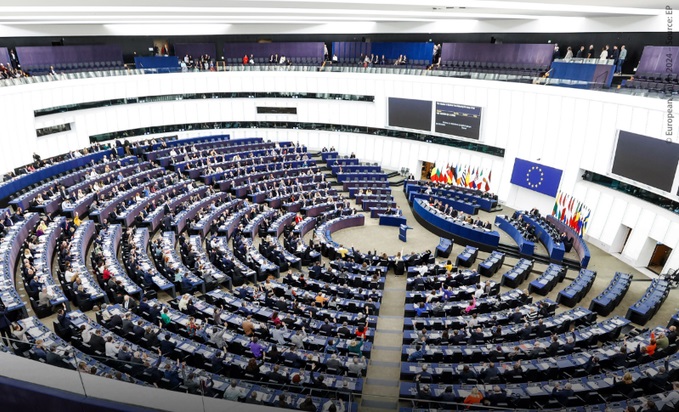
column 324, row 67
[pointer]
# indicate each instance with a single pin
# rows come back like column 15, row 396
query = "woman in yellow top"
column 76, row 220
column 449, row 266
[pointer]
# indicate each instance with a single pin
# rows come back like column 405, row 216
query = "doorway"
column 426, row 170
column 659, row 257
column 620, row 240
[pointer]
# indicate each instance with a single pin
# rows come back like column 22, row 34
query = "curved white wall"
column 564, row 128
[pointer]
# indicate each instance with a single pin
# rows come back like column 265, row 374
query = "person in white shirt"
column 111, row 348
column 672, row 398
column 278, row 334
column 355, row 365
column 298, row 339
column 479, row 291
column 233, row 392
column 184, row 302
column 604, row 54
column 105, row 314
column 86, row 333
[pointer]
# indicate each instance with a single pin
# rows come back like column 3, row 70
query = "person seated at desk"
column 652, row 346
column 344, row 331
column 423, row 391
column 495, row 353
column 417, row 354
column 167, row 347
column 471, row 306
column 233, row 392
column 293, row 358
column 619, row 359
column 474, row 398
column 308, row 404
column 562, row 395
column 276, row 376
column 496, row 396
column 111, row 348
column 466, row 374
column 671, row 400
column 55, row 359
column 625, row 386
column 422, row 309
column 476, row 337
column 537, row 351
column 525, row 332
column 659, row 380
column 569, row 347
column 490, row 373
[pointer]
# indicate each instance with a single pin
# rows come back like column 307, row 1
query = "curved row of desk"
column 448, row 227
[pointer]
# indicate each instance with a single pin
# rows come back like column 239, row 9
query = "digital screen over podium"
column 458, row 120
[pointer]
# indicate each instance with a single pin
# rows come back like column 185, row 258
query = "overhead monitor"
column 410, row 113
column 646, row 160
column 458, row 120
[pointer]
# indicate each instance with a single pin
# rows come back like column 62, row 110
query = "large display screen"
column 458, row 120
column 410, row 113
column 646, row 160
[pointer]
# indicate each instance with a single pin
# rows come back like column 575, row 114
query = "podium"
column 444, row 248
column 402, row 232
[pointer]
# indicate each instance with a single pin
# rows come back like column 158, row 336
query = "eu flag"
column 537, row 177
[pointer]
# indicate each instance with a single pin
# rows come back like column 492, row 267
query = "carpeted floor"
column 384, row 370
column 381, row 385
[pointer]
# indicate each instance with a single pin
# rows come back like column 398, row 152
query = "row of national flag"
column 572, row 212
column 463, row 176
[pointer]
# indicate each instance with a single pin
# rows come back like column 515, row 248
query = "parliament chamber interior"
column 339, row 207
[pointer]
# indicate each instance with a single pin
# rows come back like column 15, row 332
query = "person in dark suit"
column 54, row 359
column 569, row 347
column 4, row 323
column 659, row 380
column 124, row 354
column 138, row 330
column 525, row 332
column 97, row 342
column 562, row 395
column 167, row 346
column 466, row 374
column 127, row 325
column 129, row 304
column 516, row 316
column 540, row 329
column 495, row 397
column 490, row 374
column 592, row 366
column 476, row 337
column 276, row 376
column 514, row 373
column 64, row 321
column 553, row 347
column 457, row 337
column 115, row 321
column 495, row 353
column 151, row 336
column 619, row 360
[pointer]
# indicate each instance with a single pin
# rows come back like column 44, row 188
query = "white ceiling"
column 93, row 17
